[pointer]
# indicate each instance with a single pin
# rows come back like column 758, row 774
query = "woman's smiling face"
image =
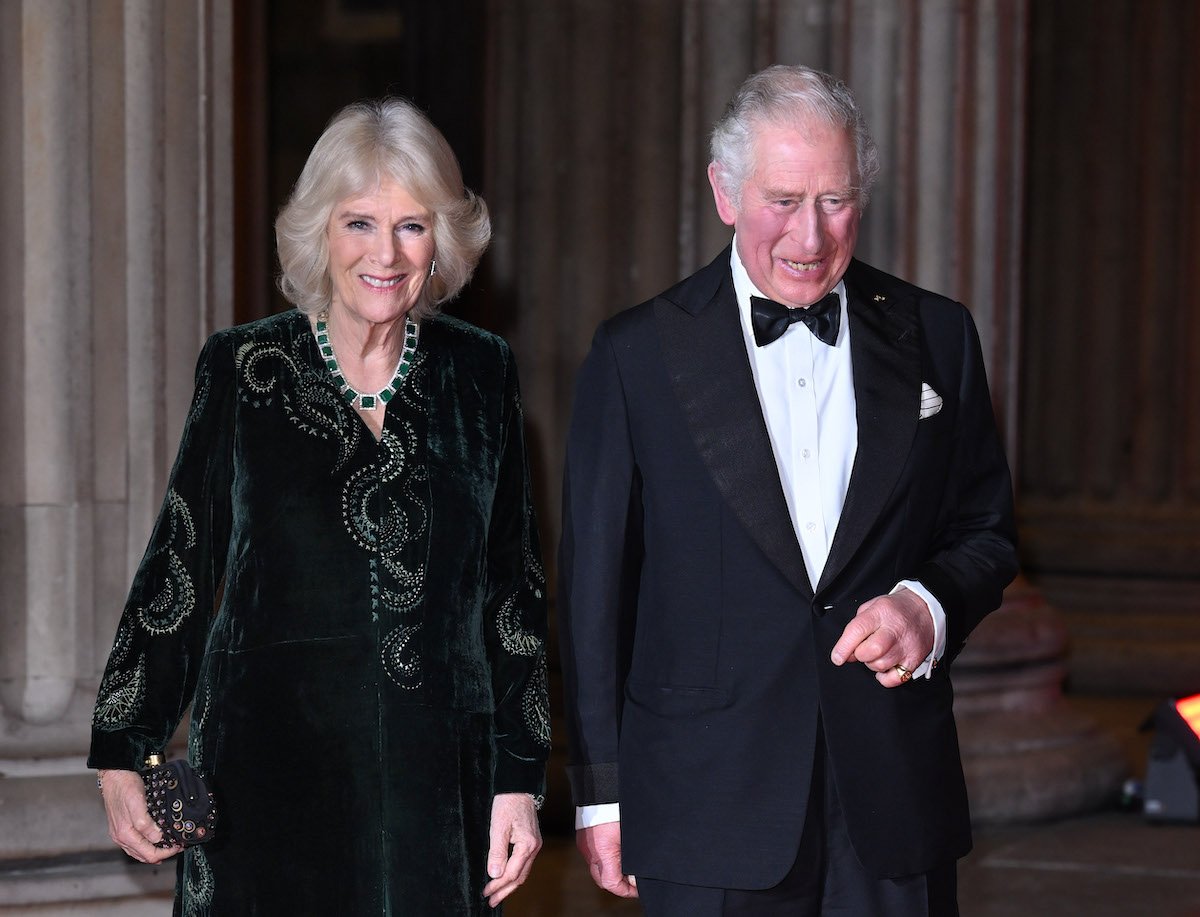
column 380, row 250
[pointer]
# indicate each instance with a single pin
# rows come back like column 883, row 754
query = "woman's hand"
column 516, row 840
column 129, row 822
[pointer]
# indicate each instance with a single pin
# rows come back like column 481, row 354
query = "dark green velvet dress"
column 375, row 669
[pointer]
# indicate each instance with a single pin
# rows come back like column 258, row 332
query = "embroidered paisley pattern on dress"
column 123, row 690
column 519, row 639
column 198, row 883
column 535, row 705
column 176, row 597
column 401, row 656
column 385, row 508
column 513, row 636
column 309, row 400
column 515, row 640
column 201, row 707
column 200, row 397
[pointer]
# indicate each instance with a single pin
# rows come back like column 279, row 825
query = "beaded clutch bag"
column 179, row 801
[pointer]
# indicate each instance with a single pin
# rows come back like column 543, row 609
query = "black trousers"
column 826, row 878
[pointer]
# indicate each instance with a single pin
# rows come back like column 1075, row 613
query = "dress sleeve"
column 151, row 672
column 515, row 614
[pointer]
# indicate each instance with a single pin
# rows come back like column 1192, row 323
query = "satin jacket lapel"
column 885, row 347
column 710, row 372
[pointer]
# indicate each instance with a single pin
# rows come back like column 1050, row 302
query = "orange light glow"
column 1189, row 709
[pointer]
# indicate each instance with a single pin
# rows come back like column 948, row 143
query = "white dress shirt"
column 806, row 390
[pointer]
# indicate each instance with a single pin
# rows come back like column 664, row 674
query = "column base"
column 1023, row 767
column 90, row 884
column 55, row 853
column 1027, row 755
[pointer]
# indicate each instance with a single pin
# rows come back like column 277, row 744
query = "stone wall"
column 115, row 170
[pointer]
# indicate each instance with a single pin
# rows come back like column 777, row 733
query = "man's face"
column 797, row 223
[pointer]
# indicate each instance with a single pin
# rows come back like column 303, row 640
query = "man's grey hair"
column 790, row 96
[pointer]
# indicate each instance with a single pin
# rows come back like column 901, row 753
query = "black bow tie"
column 770, row 319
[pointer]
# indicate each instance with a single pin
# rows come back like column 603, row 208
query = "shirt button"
column 802, row 382
column 806, row 453
column 812, row 526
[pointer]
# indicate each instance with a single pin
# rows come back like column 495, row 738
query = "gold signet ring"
column 904, row 673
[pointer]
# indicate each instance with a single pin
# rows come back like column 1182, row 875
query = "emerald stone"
column 366, row 402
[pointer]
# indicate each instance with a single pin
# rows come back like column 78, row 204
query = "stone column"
column 953, row 135
column 115, row 170
column 1110, row 459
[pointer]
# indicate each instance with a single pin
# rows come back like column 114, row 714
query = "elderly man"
column 786, row 506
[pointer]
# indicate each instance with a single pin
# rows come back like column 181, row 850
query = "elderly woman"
column 368, row 698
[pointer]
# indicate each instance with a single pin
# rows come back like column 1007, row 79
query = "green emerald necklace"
column 365, row 401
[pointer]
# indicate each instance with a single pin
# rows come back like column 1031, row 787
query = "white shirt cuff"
column 925, row 669
column 587, row 816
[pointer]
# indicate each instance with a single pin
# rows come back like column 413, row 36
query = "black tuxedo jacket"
column 695, row 649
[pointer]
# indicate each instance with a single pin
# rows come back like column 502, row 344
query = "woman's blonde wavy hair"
column 365, row 144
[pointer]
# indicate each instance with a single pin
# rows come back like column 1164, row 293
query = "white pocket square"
column 931, row 401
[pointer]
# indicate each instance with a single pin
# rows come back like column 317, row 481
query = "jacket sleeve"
column 600, row 559
column 152, row 669
column 974, row 552
column 515, row 613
